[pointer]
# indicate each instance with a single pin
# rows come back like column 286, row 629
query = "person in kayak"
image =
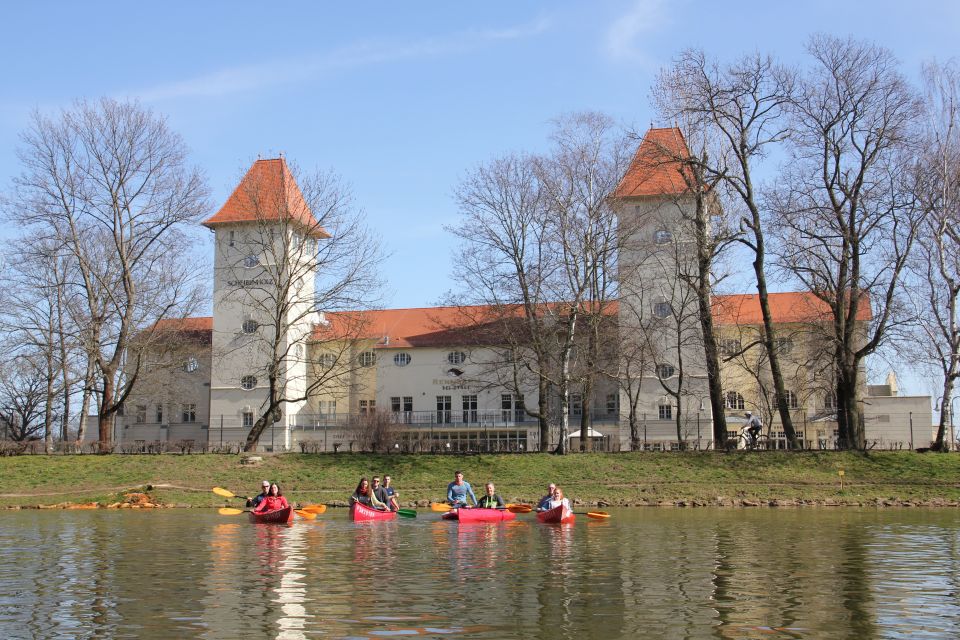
column 255, row 501
column 491, row 500
column 392, row 494
column 458, row 490
column 365, row 496
column 559, row 500
column 542, row 505
column 273, row 501
column 380, row 492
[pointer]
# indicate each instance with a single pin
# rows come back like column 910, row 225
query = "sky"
column 401, row 99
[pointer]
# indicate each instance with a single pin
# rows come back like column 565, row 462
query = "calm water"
column 651, row 573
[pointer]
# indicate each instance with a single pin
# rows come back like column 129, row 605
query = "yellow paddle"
column 220, row 491
column 440, row 507
column 315, row 508
column 596, row 515
column 229, row 511
column 519, row 508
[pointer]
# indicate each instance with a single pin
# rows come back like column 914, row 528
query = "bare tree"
column 540, row 245
column 304, row 252
column 741, row 107
column 107, row 183
column 848, row 218
column 23, row 397
column 936, row 265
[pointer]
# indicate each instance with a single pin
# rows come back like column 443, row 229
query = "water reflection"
column 644, row 573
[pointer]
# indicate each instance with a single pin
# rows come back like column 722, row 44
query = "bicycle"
column 747, row 442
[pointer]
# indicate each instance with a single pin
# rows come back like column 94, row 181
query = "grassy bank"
column 626, row 478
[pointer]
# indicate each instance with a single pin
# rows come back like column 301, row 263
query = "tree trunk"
column 849, row 417
column 105, row 414
column 946, row 417
column 543, row 406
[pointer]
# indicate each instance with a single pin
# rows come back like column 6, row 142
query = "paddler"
column 458, row 490
column 255, row 501
column 491, row 500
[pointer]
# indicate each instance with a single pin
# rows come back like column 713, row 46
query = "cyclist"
column 754, row 427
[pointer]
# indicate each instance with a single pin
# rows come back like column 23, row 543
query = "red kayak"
column 556, row 516
column 479, row 514
column 360, row 512
column 280, row 516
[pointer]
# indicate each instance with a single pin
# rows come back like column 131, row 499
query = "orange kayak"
column 280, row 516
column 556, row 516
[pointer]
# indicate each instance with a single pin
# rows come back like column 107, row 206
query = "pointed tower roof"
column 268, row 192
column 654, row 170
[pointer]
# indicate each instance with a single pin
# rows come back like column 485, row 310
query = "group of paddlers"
column 383, row 497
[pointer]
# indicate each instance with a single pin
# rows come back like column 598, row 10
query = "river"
column 643, row 573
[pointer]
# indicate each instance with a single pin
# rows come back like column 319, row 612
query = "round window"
column 191, row 364
column 665, row 371
column 251, row 261
column 456, row 357
column 248, row 382
column 249, row 326
column 402, row 359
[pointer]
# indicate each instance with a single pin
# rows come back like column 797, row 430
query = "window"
column 783, row 346
column 665, row 411
column 249, row 326
column 298, row 350
column 247, row 419
column 367, row 359
column 665, row 371
column 792, row 401
column 662, row 309
column 395, row 404
column 189, row 413
column 232, row 236
column 327, row 360
column 613, row 404
column 470, row 408
column 506, row 407
column 191, row 364
column 456, row 357
column 402, row 359
column 159, row 413
column 733, row 400
column 662, row 236
column 248, row 382
column 141, row 415
column 328, row 407
column 730, row 346
column 251, row 261
column 575, row 405
column 402, row 407
column 830, row 401
column 367, row 407
column 444, row 404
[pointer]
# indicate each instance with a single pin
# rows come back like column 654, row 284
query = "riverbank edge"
column 671, row 480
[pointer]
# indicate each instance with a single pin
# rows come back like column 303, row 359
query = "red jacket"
column 272, row 503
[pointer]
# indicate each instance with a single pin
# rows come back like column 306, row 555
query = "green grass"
column 616, row 478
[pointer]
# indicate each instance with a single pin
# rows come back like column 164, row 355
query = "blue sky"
column 400, row 98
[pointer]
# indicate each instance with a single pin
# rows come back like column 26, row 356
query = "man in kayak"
column 365, row 496
column 458, row 490
column 392, row 494
column 380, row 492
column 545, row 500
column 273, row 501
column 255, row 501
column 491, row 500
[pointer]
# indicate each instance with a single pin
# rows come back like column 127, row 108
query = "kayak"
column 478, row 514
column 361, row 512
column 279, row 516
column 556, row 515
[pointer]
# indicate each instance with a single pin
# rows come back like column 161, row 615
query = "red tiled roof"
column 790, row 307
column 268, row 192
column 654, row 170
column 453, row 326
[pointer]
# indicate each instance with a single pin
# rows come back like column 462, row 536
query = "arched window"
column 665, row 371
column 733, row 400
column 792, row 401
column 327, row 360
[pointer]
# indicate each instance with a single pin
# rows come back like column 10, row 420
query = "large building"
column 431, row 379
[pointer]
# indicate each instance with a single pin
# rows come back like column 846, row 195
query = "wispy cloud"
column 624, row 39
column 253, row 77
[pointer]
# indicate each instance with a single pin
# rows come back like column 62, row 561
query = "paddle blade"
column 305, row 514
column 598, row 515
column 406, row 513
column 440, row 507
column 519, row 508
column 220, row 491
column 315, row 508
column 229, row 511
